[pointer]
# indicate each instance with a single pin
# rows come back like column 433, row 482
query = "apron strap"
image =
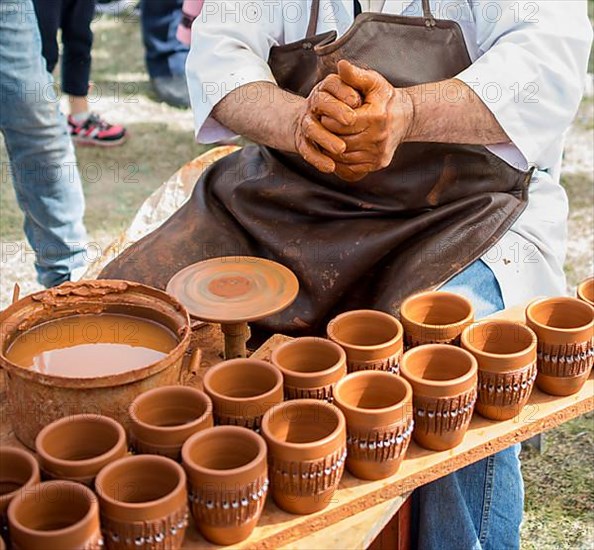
column 315, row 12
column 313, row 18
column 429, row 19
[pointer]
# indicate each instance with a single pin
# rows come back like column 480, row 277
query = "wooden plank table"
column 360, row 509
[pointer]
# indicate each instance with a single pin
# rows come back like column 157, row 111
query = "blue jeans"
column 165, row 54
column 42, row 161
column 478, row 507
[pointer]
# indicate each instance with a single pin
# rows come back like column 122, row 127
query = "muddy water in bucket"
column 86, row 346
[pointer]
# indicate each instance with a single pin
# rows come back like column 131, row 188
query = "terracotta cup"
column 18, row 470
column 306, row 453
column 311, row 367
column 379, row 416
column 77, row 447
column 55, row 514
column 372, row 340
column 228, row 480
column 242, row 390
column 435, row 318
column 585, row 291
column 565, row 331
column 162, row 419
column 444, row 382
column 143, row 503
column 506, row 355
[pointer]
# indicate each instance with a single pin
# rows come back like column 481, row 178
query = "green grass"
column 11, row 220
column 117, row 180
column 560, row 489
column 579, row 190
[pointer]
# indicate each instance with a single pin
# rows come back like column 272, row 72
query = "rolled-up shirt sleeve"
column 531, row 70
column 231, row 42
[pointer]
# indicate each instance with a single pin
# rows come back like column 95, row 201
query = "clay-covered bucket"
column 37, row 399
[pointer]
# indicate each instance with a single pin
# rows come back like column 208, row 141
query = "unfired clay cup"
column 585, row 291
column 162, row 419
column 379, row 416
column 306, row 453
column 372, row 339
column 506, row 356
column 143, row 503
column 228, row 480
column 55, row 514
column 444, row 382
column 77, row 447
column 565, row 331
column 242, row 390
column 18, row 470
column 311, row 367
column 435, row 318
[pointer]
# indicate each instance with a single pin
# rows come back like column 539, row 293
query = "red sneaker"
column 95, row 131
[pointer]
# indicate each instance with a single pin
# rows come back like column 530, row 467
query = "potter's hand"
column 381, row 124
column 335, row 101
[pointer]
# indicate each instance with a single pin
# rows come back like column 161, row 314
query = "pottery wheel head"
column 234, row 289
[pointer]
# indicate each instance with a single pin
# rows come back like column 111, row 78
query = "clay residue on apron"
column 407, row 228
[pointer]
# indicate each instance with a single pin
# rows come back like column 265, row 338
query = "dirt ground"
column 559, row 482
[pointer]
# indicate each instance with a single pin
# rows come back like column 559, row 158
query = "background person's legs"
column 49, row 15
column 77, row 40
column 478, row 507
column 74, row 18
column 43, row 164
column 165, row 55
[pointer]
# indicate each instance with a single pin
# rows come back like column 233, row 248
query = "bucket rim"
column 84, row 289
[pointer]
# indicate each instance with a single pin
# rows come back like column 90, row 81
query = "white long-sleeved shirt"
column 529, row 68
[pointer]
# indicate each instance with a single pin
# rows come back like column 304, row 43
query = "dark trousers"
column 74, row 18
column 165, row 54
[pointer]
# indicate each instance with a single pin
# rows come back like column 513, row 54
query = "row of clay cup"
column 558, row 336
column 80, row 448
column 305, row 438
column 499, row 364
column 140, row 501
column 384, row 411
column 496, row 369
column 307, row 454
column 377, row 406
column 298, row 458
column 554, row 347
column 84, row 447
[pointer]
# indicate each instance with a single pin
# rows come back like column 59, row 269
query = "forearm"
column 263, row 113
column 450, row 112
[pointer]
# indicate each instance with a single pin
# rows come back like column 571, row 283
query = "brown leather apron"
column 410, row 227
